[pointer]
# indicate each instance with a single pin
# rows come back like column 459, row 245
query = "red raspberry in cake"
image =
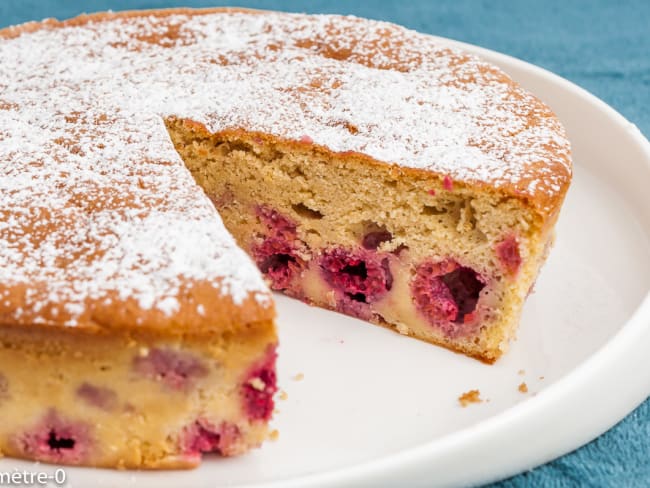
column 362, row 276
column 205, row 437
column 175, row 369
column 350, row 305
column 306, row 139
column 435, row 299
column 56, row 439
column 372, row 240
column 277, row 224
column 447, row 294
column 469, row 318
column 259, row 386
column 277, row 256
column 508, row 254
column 97, row 396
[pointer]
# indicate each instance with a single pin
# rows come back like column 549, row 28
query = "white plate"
column 377, row 408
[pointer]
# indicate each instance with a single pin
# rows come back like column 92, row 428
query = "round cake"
column 161, row 170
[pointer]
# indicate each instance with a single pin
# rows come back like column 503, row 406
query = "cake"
column 150, row 161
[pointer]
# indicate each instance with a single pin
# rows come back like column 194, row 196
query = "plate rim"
column 443, row 460
column 583, row 381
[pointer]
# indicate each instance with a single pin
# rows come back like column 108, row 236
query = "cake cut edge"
column 272, row 219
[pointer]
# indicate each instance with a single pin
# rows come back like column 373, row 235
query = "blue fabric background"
column 602, row 45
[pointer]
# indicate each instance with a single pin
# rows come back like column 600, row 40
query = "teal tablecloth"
column 602, row 45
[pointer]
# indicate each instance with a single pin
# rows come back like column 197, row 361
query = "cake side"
column 446, row 262
column 134, row 399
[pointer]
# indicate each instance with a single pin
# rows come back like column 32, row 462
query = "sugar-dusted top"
column 98, row 208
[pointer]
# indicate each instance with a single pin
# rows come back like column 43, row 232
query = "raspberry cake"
column 362, row 167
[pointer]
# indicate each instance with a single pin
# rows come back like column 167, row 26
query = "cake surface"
column 364, row 167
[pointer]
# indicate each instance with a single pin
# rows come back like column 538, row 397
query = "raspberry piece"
column 447, row 294
column 277, row 224
column 277, row 255
column 175, row 369
column 350, row 305
column 465, row 286
column 259, row 386
column 97, row 396
column 434, row 298
column 203, row 437
column 362, row 277
column 277, row 260
column 508, row 254
column 372, row 240
column 55, row 439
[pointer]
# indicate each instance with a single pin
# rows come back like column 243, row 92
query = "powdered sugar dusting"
column 95, row 199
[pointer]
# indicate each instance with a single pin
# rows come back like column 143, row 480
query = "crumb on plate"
column 471, row 396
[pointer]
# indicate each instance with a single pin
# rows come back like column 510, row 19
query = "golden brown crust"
column 220, row 314
column 546, row 206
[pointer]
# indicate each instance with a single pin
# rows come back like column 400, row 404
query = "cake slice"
column 432, row 257
column 383, row 174
column 134, row 399
column 132, row 334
